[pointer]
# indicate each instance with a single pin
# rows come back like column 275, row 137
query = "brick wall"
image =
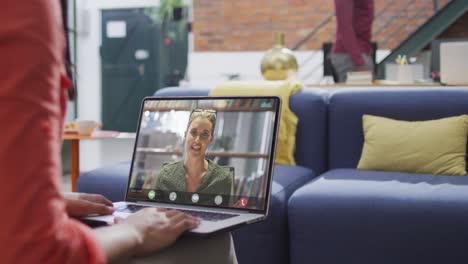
column 248, row 25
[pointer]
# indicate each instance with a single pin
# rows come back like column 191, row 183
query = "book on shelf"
column 244, row 187
column 239, row 185
column 262, row 187
column 255, row 185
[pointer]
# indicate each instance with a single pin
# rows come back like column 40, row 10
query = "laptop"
column 210, row 157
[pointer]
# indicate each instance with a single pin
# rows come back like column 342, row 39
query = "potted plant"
column 168, row 10
column 178, row 10
column 171, row 10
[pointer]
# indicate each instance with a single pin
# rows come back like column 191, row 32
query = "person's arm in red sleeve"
column 345, row 34
column 35, row 227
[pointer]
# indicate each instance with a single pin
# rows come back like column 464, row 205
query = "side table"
column 75, row 148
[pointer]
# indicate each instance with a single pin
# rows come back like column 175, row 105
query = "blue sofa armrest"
column 268, row 241
column 310, row 106
column 110, row 181
column 178, row 91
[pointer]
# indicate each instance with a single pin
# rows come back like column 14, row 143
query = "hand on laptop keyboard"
column 83, row 204
column 158, row 228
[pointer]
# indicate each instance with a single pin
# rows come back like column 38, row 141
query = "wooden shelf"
column 220, row 109
column 167, row 109
column 229, row 154
column 159, row 151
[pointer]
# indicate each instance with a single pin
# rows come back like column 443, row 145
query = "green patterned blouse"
column 217, row 180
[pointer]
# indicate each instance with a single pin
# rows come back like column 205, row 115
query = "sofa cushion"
column 347, row 106
column 379, row 217
column 433, row 146
column 268, row 241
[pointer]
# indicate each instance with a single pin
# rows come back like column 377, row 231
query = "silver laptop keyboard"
column 208, row 216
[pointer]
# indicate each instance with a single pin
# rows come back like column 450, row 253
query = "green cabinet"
column 138, row 57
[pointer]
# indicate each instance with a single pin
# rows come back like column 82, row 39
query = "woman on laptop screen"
column 195, row 173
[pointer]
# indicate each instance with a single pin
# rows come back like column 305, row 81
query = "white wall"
column 206, row 69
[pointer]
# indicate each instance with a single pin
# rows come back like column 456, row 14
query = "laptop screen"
column 205, row 151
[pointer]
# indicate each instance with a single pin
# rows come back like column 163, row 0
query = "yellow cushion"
column 288, row 122
column 433, row 147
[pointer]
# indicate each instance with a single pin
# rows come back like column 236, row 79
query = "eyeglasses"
column 213, row 112
column 203, row 135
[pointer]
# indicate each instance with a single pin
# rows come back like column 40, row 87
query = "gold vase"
column 279, row 62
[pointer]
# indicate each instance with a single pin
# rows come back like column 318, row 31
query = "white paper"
column 116, row 29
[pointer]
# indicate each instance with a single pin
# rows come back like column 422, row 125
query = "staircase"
column 426, row 33
column 445, row 13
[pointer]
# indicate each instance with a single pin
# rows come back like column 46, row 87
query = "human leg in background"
column 342, row 64
column 369, row 62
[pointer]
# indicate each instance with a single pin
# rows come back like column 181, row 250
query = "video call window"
column 232, row 138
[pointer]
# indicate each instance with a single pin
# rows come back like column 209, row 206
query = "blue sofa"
column 324, row 210
column 347, row 215
column 266, row 241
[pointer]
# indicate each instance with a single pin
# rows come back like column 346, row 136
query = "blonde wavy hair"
column 209, row 114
